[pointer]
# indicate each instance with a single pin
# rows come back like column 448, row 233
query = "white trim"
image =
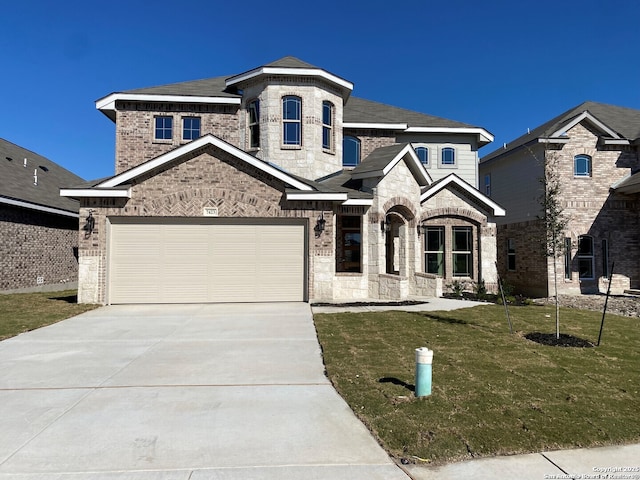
column 194, row 145
column 95, row 192
column 559, row 140
column 498, row 211
column 358, row 202
column 615, row 141
column 291, row 71
column 39, row 208
column 317, row 196
column 472, row 130
column 585, row 116
column 108, row 102
column 379, row 126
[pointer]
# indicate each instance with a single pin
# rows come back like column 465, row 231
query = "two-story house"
column 277, row 185
column 594, row 150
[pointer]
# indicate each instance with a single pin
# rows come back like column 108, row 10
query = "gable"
column 453, row 187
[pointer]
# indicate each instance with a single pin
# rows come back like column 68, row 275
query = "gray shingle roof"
column 208, row 87
column 379, row 158
column 17, row 182
column 291, row 62
column 624, row 121
column 359, row 110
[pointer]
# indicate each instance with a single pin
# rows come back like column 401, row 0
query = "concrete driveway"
column 178, row 392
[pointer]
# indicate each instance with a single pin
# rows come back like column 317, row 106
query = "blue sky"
column 502, row 65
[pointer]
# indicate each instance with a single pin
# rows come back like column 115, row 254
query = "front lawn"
column 493, row 393
column 21, row 312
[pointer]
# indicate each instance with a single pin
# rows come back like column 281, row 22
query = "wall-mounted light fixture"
column 320, row 224
column 419, row 229
column 89, row 225
column 385, row 225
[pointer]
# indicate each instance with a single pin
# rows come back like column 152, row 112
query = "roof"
column 379, row 162
column 290, row 62
column 620, row 121
column 628, row 185
column 18, row 185
column 214, row 87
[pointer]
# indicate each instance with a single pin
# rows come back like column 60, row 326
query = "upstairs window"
column 582, row 166
column 190, row 128
column 327, row 125
column 163, row 128
column 448, row 156
column 423, row 154
column 585, row 257
column 254, row 124
column 487, row 185
column 350, row 151
column 291, row 120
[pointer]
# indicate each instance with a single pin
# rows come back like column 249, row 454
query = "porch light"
column 385, row 225
column 418, row 228
column 320, row 223
column 89, row 224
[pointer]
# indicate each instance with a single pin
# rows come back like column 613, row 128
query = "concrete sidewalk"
column 178, row 392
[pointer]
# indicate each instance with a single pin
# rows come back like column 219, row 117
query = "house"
column 276, row 184
column 595, row 149
column 38, row 228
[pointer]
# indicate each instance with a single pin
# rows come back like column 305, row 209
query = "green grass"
column 22, row 312
column 493, row 393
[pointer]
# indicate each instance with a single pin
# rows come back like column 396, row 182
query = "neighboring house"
column 596, row 148
column 277, row 185
column 38, row 228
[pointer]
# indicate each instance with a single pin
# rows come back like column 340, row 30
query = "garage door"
column 188, row 261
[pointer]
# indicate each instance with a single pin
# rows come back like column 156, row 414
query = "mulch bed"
column 564, row 340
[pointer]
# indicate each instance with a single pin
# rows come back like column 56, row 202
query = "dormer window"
column 327, row 126
column 291, row 120
column 350, row 151
column 254, row 124
column 423, row 155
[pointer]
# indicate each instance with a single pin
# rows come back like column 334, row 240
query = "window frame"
column 296, row 120
column 605, row 258
column 487, row 184
column 328, row 113
column 567, row 258
column 349, row 225
column 422, row 148
column 191, row 129
column 586, row 173
column 447, row 164
column 358, row 144
column 511, row 255
column 440, row 254
column 163, row 128
column 468, row 253
column 584, row 257
column 253, row 124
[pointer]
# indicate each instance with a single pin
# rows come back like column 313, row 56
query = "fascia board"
column 39, row 208
column 317, row 196
column 468, row 130
column 498, row 211
column 194, row 145
column 585, row 116
column 95, row 192
column 376, row 126
column 417, row 165
column 557, row 140
column 616, row 141
column 305, row 72
column 358, row 202
column 108, row 102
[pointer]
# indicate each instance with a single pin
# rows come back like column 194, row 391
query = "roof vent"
column 9, row 158
column 35, row 177
column 25, row 163
column 504, row 145
column 43, row 168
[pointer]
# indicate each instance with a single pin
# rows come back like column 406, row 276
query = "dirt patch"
column 370, row 304
column 624, row 305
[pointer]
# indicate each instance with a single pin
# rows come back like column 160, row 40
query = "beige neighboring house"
column 38, row 227
column 596, row 147
column 276, row 184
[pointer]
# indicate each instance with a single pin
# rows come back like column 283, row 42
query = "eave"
column 38, row 208
column 498, row 211
column 96, row 192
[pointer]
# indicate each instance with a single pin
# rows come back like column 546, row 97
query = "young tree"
column 553, row 218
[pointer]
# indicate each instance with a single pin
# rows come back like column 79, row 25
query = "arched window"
column 448, row 156
column 423, row 154
column 350, row 151
column 254, row 124
column 327, row 125
column 582, row 166
column 585, row 257
column 291, row 120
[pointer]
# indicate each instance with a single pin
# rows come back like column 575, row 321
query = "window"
column 585, row 257
column 511, row 254
column 327, row 125
column 567, row 258
column 423, row 154
column 487, row 185
column 291, row 120
column 254, row 124
column 349, row 246
column 462, row 246
column 582, row 166
column 350, row 151
column 448, row 156
column 190, row 128
column 434, row 250
column 163, row 128
column 605, row 258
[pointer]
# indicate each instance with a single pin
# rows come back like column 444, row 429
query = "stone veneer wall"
column 209, row 178
column 36, row 245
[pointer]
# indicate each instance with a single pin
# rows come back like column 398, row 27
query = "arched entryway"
column 396, row 226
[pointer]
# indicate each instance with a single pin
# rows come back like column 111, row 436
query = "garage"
column 205, row 260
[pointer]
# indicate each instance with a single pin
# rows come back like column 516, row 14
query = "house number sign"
column 210, row 211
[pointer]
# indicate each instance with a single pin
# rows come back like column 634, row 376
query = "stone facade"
column 37, row 250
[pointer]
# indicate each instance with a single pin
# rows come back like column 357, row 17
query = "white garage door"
column 188, row 261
